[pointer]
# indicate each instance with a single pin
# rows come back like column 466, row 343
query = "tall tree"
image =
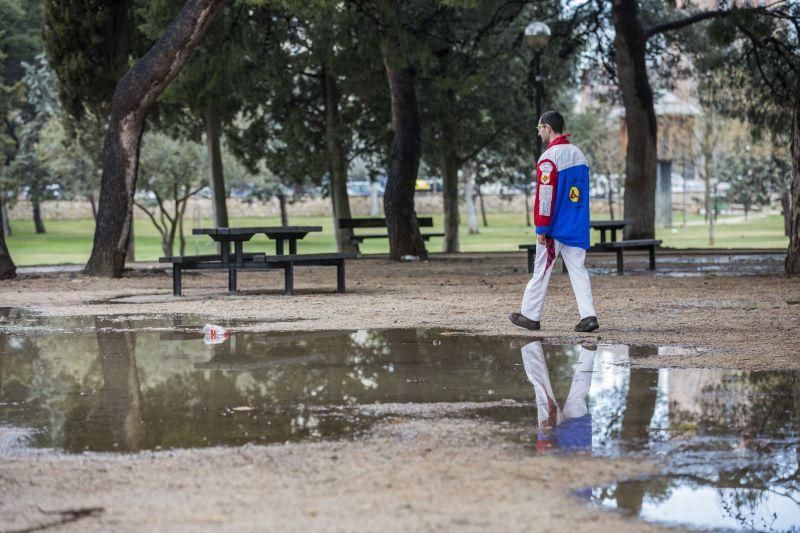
column 29, row 170
column 474, row 95
column 213, row 84
column 10, row 95
column 20, row 42
column 88, row 44
column 400, row 24
column 134, row 94
column 793, row 253
column 320, row 102
column 758, row 62
column 634, row 37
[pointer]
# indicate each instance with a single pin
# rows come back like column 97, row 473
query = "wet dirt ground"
column 426, row 474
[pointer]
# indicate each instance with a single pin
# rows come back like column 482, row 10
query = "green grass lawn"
column 70, row 241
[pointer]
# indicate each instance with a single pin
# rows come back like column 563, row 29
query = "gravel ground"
column 425, row 474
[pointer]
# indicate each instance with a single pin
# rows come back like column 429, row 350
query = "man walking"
column 561, row 216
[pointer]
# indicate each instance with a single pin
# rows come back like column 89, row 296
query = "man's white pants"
column 536, row 291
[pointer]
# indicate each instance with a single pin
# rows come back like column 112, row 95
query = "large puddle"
column 728, row 440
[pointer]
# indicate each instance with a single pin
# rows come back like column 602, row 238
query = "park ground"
column 423, row 474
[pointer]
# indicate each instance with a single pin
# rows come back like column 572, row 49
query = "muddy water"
column 151, row 383
column 728, row 440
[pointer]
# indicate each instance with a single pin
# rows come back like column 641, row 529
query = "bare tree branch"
column 161, row 230
column 697, row 17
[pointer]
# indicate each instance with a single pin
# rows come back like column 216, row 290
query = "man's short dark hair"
column 554, row 119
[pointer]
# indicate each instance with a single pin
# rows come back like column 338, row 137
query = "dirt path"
column 410, row 476
column 405, row 475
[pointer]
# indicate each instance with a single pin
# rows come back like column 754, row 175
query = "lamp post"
column 537, row 35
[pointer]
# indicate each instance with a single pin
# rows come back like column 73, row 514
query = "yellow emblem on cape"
column 574, row 194
column 546, row 178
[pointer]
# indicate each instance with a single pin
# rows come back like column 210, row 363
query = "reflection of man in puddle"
column 568, row 428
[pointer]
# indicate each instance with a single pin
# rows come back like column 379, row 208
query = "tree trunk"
column 640, row 120
column 38, row 223
column 118, row 31
column 337, row 163
column 181, row 234
column 793, row 253
column 7, row 268
column 166, row 244
column 641, row 405
column 284, row 213
column 786, row 211
column 6, row 225
column 92, row 203
column 180, row 211
column 374, row 207
column 483, row 207
column 610, row 200
column 469, row 199
column 398, row 199
column 121, row 395
column 217, row 176
column 134, row 94
column 709, row 169
column 450, row 165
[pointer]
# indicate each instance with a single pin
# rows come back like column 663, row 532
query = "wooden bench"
column 615, row 246
column 637, row 244
column 257, row 262
column 355, row 223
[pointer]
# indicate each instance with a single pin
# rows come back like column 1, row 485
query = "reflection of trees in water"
column 110, row 418
column 90, row 390
column 623, row 402
column 31, row 389
column 18, row 355
column 97, row 389
column 401, row 365
column 752, row 402
column 773, row 413
column 764, row 409
column 640, row 406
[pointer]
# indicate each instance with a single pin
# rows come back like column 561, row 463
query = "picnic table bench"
column 378, row 222
column 612, row 245
column 236, row 259
column 633, row 244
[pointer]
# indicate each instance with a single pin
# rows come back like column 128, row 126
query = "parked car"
column 422, row 185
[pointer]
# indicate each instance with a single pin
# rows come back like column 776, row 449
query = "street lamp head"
column 537, row 35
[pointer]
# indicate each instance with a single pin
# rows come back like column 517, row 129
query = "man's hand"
column 541, row 239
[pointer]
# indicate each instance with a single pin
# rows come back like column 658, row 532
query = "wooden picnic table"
column 237, row 236
column 609, row 225
column 257, row 261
